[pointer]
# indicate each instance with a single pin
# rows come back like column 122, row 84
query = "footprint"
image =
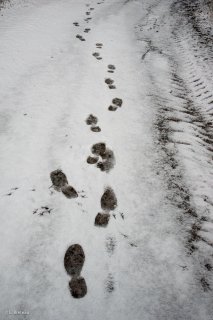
column 116, row 102
column 78, row 287
column 73, row 263
column 76, row 24
column 91, row 119
column 87, row 30
column 87, row 19
column 109, row 81
column 95, row 129
column 110, row 244
column 112, row 108
column 107, row 161
column 97, row 55
column 109, row 200
column 110, row 283
column 111, row 67
column 58, row 179
column 99, row 45
column 102, row 219
column 78, row 36
column 69, row 192
column 60, row 183
column 92, row 160
column 99, row 149
column 112, row 86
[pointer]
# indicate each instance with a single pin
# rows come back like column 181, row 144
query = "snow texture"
column 154, row 259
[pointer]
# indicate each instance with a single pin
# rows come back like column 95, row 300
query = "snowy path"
column 154, row 260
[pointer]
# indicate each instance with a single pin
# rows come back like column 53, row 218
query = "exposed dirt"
column 108, row 200
column 99, row 149
column 58, row 179
column 74, row 260
column 111, row 67
column 112, row 108
column 91, row 119
column 92, row 160
column 117, row 101
column 69, row 192
column 109, row 81
column 95, row 129
column 102, row 219
column 78, row 287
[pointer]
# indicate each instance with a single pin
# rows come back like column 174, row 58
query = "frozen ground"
column 154, row 260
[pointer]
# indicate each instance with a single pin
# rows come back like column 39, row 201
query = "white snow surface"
column 50, row 82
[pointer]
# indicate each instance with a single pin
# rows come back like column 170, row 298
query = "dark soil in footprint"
column 112, row 108
column 107, row 155
column 109, row 200
column 69, row 192
column 76, row 24
column 111, row 67
column 92, row 160
column 91, row 119
column 58, row 179
column 108, row 161
column 102, row 219
column 78, row 36
column 96, row 129
column 78, row 287
column 109, row 81
column 99, row 148
column 87, row 30
column 117, row 101
column 96, row 54
column 74, row 260
column 112, row 86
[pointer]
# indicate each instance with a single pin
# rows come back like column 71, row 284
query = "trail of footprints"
column 103, row 158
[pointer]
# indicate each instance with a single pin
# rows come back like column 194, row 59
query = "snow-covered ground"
column 154, row 260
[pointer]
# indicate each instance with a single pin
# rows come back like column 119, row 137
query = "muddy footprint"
column 92, row 160
column 111, row 68
column 116, row 102
column 110, row 82
column 93, row 120
column 60, row 183
column 102, row 219
column 106, row 156
column 109, row 200
column 73, row 263
column 97, row 55
column 86, row 30
column 99, row 45
column 78, row 36
column 76, row 24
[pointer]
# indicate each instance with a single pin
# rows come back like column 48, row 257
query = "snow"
column 50, row 82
